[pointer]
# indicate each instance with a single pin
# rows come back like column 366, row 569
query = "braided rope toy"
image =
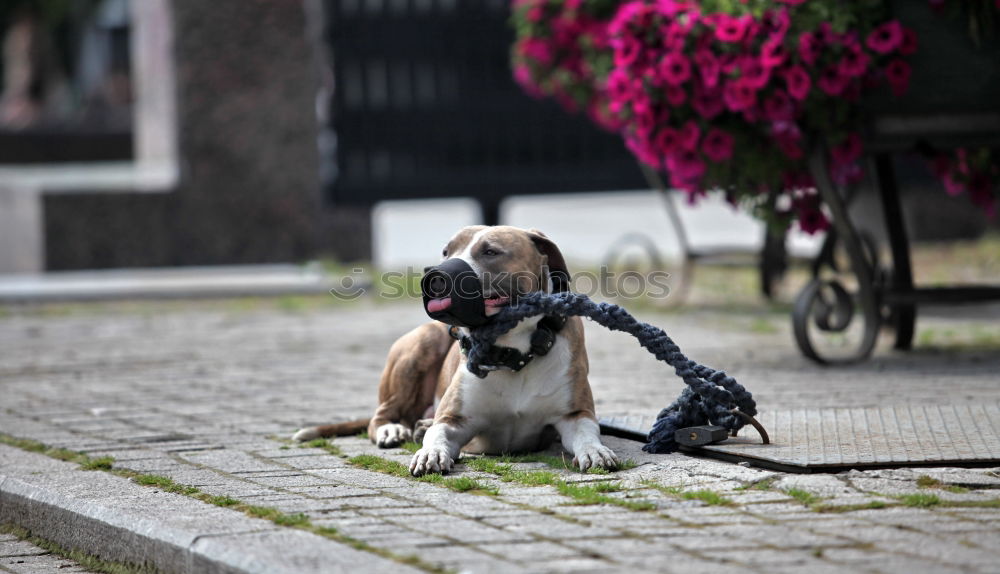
column 711, row 397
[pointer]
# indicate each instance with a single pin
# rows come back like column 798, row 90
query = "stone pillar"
column 249, row 189
column 21, row 237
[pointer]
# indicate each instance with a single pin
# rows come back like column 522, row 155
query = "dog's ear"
column 558, row 271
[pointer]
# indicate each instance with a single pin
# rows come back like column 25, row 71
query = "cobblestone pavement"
column 207, row 394
column 22, row 557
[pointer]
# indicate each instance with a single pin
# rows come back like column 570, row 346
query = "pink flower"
column 717, row 145
column 898, row 74
column 848, row 151
column 738, row 95
column 832, row 82
column 809, row 48
column 522, row 75
column 685, row 166
column 812, row 221
column 667, row 141
column 787, row 137
column 798, row 82
column 773, row 53
column 627, row 50
column 671, row 7
column 753, row 72
column 675, row 69
column 676, row 96
column 675, row 35
column 855, row 61
column 826, row 35
column 777, row 23
column 886, row 37
column 642, row 112
column 690, row 134
column 951, row 186
column 641, row 149
column 709, row 67
column 730, row 29
column 707, row 103
column 619, row 85
column 778, row 107
column 536, row 49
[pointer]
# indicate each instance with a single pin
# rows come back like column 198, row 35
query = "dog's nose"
column 437, row 286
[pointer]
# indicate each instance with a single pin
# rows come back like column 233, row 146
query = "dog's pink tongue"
column 435, row 305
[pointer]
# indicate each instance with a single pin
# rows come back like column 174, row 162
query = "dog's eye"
column 490, row 252
column 444, row 252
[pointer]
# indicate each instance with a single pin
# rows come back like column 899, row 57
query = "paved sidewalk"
column 207, row 394
column 22, row 557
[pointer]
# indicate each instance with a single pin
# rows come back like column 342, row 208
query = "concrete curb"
column 118, row 520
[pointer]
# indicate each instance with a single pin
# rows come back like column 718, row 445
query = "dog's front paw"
column 430, row 460
column 595, row 455
column 391, row 435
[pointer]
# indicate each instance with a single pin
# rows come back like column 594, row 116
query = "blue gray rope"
column 710, row 395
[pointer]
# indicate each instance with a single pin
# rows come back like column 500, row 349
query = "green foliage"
column 806, row 498
column 100, row 463
column 924, row 481
column 410, row 446
column 165, row 483
column 920, row 500
column 224, row 501
column 379, row 464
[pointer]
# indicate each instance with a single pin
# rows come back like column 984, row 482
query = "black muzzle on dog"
column 453, row 294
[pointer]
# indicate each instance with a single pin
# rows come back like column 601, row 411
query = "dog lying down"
column 537, row 392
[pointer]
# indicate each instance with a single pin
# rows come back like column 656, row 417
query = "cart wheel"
column 825, row 327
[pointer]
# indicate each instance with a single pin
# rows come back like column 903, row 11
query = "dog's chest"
column 533, row 396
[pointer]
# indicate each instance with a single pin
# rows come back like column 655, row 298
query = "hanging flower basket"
column 729, row 95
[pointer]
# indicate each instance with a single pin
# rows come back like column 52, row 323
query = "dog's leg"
column 408, row 381
column 581, row 436
column 420, row 429
column 443, row 443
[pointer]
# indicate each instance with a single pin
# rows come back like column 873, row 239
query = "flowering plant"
column 728, row 95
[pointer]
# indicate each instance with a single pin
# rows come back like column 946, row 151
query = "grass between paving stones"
column 581, row 494
column 386, row 466
column 924, row 481
column 920, row 500
column 562, row 463
column 805, row 497
column 837, row 508
column 324, row 444
column 297, row 520
column 88, row 561
column 709, row 497
column 410, row 446
column 85, row 462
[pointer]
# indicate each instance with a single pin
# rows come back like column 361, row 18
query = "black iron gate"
column 424, row 105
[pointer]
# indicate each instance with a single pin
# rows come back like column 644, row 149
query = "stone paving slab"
column 208, row 397
column 117, row 520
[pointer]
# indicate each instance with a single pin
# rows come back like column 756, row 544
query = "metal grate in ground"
column 835, row 439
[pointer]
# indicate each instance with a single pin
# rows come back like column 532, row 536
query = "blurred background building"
column 148, row 133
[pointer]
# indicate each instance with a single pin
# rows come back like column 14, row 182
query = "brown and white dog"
column 507, row 411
